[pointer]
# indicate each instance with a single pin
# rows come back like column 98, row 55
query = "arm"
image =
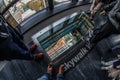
column 93, row 5
column 46, row 76
column 60, row 77
column 60, row 73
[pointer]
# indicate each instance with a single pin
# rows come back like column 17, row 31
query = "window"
column 43, row 36
column 4, row 4
column 10, row 19
column 58, row 24
column 7, row 2
column 63, row 34
column 62, row 44
column 58, row 44
column 25, row 8
column 58, row 27
column 72, row 18
column 60, row 1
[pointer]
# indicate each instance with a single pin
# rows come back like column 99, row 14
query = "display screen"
column 60, row 38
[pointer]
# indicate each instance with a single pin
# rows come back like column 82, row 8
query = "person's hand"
column 61, row 69
column 103, row 12
column 50, row 68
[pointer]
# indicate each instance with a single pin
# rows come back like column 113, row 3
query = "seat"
column 103, row 28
